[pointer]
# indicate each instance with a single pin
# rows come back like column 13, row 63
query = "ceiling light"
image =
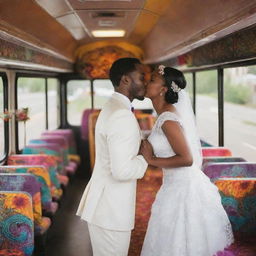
column 108, row 33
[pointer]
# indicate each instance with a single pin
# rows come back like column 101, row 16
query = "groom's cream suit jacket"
column 109, row 198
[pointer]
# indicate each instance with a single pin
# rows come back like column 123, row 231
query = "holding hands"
column 146, row 150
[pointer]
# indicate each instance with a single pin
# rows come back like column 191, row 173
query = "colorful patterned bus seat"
column 16, row 222
column 216, row 151
column 221, row 159
column 48, row 161
column 92, row 122
column 48, row 149
column 238, row 197
column 42, row 177
column 67, row 133
column 85, row 123
column 60, row 145
column 26, row 182
column 63, row 142
column 239, row 169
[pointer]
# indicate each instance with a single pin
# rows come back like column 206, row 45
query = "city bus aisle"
column 68, row 235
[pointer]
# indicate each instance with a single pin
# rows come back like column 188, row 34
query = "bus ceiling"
column 163, row 29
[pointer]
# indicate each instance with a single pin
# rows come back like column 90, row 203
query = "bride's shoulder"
column 167, row 116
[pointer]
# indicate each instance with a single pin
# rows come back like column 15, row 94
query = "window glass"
column 2, row 133
column 31, row 95
column 79, row 99
column 103, row 89
column 53, row 103
column 240, row 111
column 207, row 106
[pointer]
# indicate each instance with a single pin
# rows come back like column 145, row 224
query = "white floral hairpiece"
column 161, row 69
column 175, row 87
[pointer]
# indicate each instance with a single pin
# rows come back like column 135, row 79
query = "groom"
column 108, row 202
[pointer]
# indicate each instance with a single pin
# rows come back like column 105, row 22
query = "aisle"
column 68, row 235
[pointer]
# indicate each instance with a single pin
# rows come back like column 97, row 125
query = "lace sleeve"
column 165, row 116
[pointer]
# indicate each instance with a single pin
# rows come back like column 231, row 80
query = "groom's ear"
column 125, row 79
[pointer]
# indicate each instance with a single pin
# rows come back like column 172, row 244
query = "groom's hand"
column 146, row 150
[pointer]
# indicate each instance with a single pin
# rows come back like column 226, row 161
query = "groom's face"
column 138, row 83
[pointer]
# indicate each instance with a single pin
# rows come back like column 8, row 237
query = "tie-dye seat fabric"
column 69, row 135
column 16, row 222
column 26, row 182
column 43, row 178
column 48, row 149
column 221, row 159
column 216, row 151
column 239, row 169
column 48, row 161
column 63, row 142
column 61, row 145
column 239, row 200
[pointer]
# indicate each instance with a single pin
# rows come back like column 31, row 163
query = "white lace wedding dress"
column 187, row 217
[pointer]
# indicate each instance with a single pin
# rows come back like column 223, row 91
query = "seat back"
column 24, row 182
column 46, row 149
column 216, row 151
column 42, row 177
column 221, row 159
column 17, row 228
column 85, row 123
column 238, row 197
column 239, row 169
column 92, row 123
column 65, row 133
column 48, row 161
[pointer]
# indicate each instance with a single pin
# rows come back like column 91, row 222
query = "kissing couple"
column 187, row 217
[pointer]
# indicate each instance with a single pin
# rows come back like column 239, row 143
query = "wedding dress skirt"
column 187, row 217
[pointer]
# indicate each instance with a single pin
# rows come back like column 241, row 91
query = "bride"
column 187, row 217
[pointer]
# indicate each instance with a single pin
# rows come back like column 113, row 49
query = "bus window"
column 240, row 111
column 53, row 103
column 79, row 99
column 207, row 106
column 31, row 95
column 103, row 89
column 2, row 133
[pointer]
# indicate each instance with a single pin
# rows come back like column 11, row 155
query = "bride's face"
column 155, row 86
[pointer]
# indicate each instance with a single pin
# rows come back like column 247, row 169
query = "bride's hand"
column 146, row 150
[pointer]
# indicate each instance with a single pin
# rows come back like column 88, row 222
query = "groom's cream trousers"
column 109, row 242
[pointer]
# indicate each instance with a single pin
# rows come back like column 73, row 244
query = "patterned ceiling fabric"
column 95, row 59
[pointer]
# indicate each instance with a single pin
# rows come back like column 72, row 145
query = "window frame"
column 6, row 124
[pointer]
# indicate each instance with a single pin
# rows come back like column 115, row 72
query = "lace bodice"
column 157, row 138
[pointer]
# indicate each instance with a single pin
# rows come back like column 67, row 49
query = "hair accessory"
column 175, row 87
column 161, row 69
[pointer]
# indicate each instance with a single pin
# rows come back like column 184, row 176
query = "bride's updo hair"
column 174, row 81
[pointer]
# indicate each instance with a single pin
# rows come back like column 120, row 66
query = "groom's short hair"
column 122, row 67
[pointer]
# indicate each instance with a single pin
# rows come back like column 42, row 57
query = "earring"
column 161, row 94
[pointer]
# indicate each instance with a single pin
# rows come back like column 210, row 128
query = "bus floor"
column 68, row 235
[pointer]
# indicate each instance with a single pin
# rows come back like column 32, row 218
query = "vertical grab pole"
column 221, row 107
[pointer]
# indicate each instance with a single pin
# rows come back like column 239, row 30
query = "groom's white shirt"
column 109, row 198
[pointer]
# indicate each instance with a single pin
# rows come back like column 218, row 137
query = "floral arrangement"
column 22, row 114
column 6, row 115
